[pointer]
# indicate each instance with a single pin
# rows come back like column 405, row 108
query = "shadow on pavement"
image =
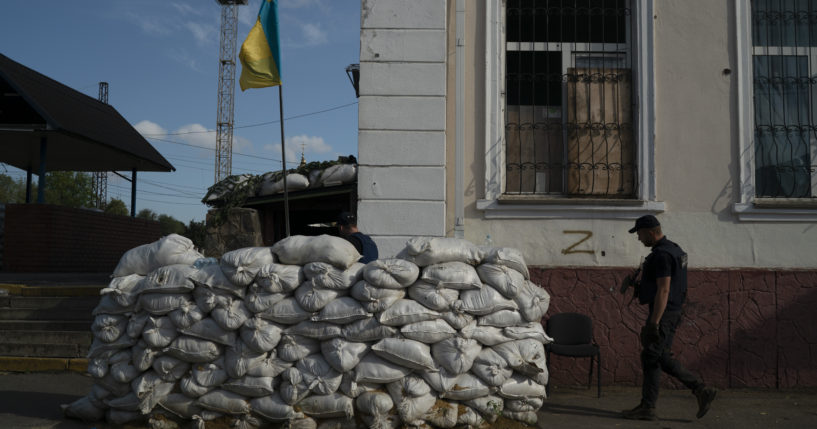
column 593, row 412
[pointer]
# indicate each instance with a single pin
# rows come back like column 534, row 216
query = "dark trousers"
column 658, row 357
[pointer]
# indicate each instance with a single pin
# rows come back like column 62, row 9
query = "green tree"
column 147, row 214
column 69, row 188
column 170, row 225
column 196, row 232
column 116, row 207
column 12, row 191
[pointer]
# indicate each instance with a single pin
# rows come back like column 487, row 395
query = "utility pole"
column 226, row 87
column 100, row 178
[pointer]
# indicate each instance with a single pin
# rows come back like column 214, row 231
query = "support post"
column 133, row 194
column 28, row 185
column 41, row 178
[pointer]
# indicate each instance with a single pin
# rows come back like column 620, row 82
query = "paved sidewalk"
column 32, row 400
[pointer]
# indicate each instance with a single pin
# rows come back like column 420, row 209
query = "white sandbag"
column 213, row 277
column 338, row 423
column 168, row 250
column 190, row 388
column 301, row 250
column 136, row 324
column 528, row 417
column 315, row 330
column 259, row 300
column 412, row 397
column 353, row 389
column 279, row 278
column 159, row 304
column 369, row 329
column 467, row 387
column 99, row 348
column 429, row 331
column 108, row 304
column 124, row 290
column 526, row 357
column 483, row 301
column 239, row 358
column 192, row 349
column 443, row 414
column 532, row 330
column 391, row 273
column 241, row 266
column 271, row 366
column 209, row 374
column 143, row 356
column 469, row 418
column 293, row 392
column 286, row 312
column 343, row 355
column 169, row 368
column 208, row 329
column 231, row 315
column 373, row 369
column 273, row 408
column 86, row 409
column 491, row 368
column 456, row 354
column 502, row 319
column 486, row 335
column 341, row 311
column 406, row 311
column 327, row 406
column 440, row 379
column 408, row 353
column 425, row 251
column 452, row 275
column 98, row 367
column 313, row 298
column 518, row 386
column 225, row 402
column 261, row 335
column 150, row 388
column 457, row 319
column 337, row 174
column 124, row 372
column 115, row 388
column 181, row 405
column 253, row 387
column 374, row 403
column 208, row 298
column 489, row 407
column 169, row 279
column 375, row 299
column 326, row 276
column 533, row 302
column 318, row 375
column 433, row 296
column 121, row 417
column 186, row 315
column 128, row 402
column 507, row 257
column 506, row 281
column 109, row 327
column 292, row 348
column 270, row 186
column 524, row 405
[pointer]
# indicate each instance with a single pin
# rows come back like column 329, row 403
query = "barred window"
column 569, row 98
column 784, row 64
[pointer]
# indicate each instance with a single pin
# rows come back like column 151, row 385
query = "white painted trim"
column 495, row 131
column 748, row 212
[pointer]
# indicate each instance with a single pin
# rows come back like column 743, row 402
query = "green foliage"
column 12, row 191
column 116, row 207
column 197, row 232
column 170, row 225
column 147, row 214
column 69, row 188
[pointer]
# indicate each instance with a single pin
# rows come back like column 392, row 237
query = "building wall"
column 49, row 238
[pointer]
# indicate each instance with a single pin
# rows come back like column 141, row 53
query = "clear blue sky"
column 160, row 59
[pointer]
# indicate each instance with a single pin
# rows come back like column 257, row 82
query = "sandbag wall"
column 446, row 334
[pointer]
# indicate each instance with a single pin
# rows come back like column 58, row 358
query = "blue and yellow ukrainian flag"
column 260, row 55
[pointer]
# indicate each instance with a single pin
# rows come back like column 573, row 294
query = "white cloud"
column 201, row 32
column 186, row 9
column 313, row 34
column 150, row 25
column 150, row 129
column 313, row 146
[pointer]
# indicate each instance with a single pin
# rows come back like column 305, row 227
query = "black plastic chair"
column 572, row 335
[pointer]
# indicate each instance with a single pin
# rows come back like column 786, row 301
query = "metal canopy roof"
column 82, row 133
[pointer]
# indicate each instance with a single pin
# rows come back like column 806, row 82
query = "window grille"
column 569, row 95
column 784, row 64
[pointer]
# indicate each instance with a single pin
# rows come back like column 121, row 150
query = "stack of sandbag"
column 446, row 334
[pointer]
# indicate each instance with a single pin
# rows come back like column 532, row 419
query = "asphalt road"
column 32, row 400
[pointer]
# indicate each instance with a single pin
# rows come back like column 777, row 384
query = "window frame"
column 496, row 204
column 749, row 207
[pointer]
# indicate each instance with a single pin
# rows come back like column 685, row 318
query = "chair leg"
column 598, row 373
column 590, row 376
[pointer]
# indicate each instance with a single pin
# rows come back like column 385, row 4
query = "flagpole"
column 283, row 157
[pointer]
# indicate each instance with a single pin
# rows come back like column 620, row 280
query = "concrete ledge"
column 72, row 290
column 34, row 364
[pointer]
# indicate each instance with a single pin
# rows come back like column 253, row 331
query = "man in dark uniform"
column 664, row 288
column 347, row 226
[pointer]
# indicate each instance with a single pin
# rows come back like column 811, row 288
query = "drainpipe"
column 459, row 167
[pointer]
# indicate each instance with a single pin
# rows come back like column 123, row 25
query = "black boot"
column 705, row 397
column 640, row 412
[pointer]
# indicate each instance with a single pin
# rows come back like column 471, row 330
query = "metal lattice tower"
column 100, row 178
column 226, row 87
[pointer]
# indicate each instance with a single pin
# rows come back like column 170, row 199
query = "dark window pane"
column 534, row 77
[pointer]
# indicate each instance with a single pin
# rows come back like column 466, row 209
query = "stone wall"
column 741, row 328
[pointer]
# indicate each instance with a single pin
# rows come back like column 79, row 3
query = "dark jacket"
column 364, row 245
column 667, row 259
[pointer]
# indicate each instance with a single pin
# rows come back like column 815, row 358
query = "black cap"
column 646, row 221
column 346, row 218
